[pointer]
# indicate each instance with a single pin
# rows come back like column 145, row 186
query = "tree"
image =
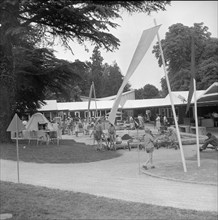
column 107, row 78
column 147, row 92
column 96, row 70
column 164, row 89
column 47, row 19
column 112, row 80
column 66, row 81
column 177, row 53
column 208, row 65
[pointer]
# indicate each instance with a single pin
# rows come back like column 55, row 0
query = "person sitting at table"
column 212, row 139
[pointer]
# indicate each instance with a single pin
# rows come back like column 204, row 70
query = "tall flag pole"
column 96, row 110
column 195, row 97
column 92, row 90
column 143, row 45
column 90, row 97
column 17, row 133
column 172, row 104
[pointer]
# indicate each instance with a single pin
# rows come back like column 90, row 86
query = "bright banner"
column 90, row 97
column 143, row 45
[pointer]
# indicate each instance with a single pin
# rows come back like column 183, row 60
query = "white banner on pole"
column 172, row 104
column 143, row 45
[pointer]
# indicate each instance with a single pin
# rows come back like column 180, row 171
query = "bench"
column 201, row 130
column 184, row 128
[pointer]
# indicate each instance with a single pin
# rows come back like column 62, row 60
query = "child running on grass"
column 149, row 147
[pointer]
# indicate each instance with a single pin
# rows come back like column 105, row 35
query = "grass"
column 207, row 154
column 207, row 173
column 67, row 152
column 36, row 203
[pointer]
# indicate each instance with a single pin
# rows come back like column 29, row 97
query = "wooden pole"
column 172, row 104
column 196, row 124
column 195, row 98
column 96, row 109
column 17, row 148
column 138, row 151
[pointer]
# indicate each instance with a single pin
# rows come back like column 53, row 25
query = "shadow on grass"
column 68, row 151
column 207, row 154
column 207, row 173
column 44, row 203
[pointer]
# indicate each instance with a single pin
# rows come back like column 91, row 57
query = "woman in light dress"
column 157, row 120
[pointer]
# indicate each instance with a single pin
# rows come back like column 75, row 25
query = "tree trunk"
column 5, row 112
column 8, row 21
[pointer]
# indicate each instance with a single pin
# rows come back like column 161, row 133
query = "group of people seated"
column 110, row 138
column 169, row 138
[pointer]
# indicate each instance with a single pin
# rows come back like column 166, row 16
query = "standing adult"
column 165, row 121
column 98, row 134
column 112, row 136
column 157, row 120
column 77, row 128
column 149, row 147
column 132, row 124
column 141, row 121
column 215, row 118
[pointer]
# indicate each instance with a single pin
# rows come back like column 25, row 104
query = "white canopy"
column 38, row 118
column 210, row 95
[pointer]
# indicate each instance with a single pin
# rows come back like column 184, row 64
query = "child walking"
column 149, row 147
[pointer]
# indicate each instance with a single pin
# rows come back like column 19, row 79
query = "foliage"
column 37, row 72
column 147, row 92
column 164, row 90
column 80, row 21
column 96, row 70
column 112, row 80
column 208, row 65
column 67, row 86
column 177, row 53
column 107, row 78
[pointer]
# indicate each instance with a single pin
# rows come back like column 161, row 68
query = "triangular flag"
column 143, row 45
column 90, row 97
column 16, row 124
column 191, row 88
column 96, row 110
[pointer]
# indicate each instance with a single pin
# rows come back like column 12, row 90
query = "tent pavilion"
column 208, row 105
column 52, row 108
column 36, row 120
column 79, row 109
column 210, row 96
column 40, row 129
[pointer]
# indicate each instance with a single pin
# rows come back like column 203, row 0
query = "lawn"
column 36, row 203
column 68, row 151
column 207, row 173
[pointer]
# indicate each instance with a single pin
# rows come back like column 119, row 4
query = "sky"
column 130, row 31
